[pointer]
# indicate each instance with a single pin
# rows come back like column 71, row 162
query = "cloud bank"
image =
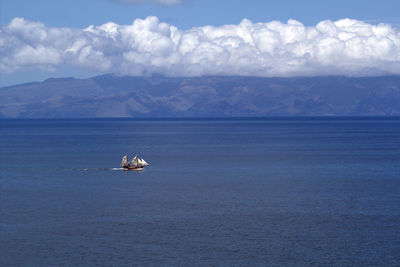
column 344, row 47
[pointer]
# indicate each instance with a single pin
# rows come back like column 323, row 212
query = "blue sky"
column 81, row 13
column 73, row 14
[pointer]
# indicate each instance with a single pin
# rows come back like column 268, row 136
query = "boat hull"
column 136, row 168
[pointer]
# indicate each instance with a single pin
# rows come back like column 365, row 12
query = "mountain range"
column 210, row 96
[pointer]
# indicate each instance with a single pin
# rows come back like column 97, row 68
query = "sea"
column 321, row 191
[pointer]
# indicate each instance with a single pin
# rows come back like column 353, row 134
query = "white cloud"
column 343, row 47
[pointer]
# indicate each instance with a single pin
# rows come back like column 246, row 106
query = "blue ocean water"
column 269, row 192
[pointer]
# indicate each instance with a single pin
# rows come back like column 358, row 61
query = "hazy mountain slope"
column 157, row 96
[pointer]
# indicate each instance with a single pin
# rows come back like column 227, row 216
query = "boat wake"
column 99, row 169
column 116, row 169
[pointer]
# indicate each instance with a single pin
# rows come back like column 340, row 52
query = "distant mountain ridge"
column 211, row 96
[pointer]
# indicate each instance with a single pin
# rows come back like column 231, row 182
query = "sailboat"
column 137, row 163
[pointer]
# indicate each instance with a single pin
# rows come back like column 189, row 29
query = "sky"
column 46, row 38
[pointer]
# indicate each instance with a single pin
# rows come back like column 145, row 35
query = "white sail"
column 125, row 160
column 143, row 162
column 135, row 161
